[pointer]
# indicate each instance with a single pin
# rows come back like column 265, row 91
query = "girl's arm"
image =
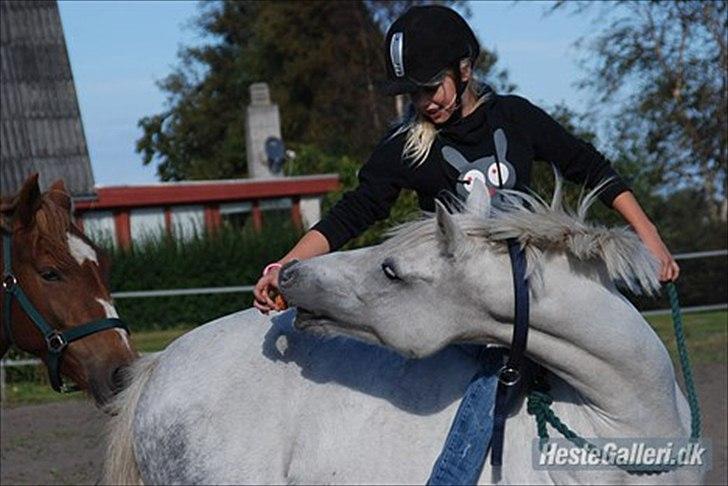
column 626, row 204
column 580, row 162
column 310, row 245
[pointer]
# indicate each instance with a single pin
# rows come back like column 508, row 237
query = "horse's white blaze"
column 81, row 250
column 110, row 311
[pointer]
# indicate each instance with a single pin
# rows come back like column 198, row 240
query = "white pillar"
column 310, row 211
column 262, row 120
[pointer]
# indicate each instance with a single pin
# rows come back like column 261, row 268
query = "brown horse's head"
column 64, row 275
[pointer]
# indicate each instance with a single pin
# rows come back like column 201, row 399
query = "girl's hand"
column 266, row 283
column 630, row 209
column 669, row 269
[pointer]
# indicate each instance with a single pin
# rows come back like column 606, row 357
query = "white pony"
column 250, row 399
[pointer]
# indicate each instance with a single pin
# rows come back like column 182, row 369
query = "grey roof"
column 41, row 122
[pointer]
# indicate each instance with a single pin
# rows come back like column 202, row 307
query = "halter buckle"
column 56, row 342
column 9, row 282
column 508, row 376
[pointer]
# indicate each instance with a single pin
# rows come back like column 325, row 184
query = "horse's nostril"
column 118, row 379
column 288, row 272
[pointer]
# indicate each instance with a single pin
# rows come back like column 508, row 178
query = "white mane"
column 540, row 226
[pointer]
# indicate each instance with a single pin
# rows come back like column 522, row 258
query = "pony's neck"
column 590, row 336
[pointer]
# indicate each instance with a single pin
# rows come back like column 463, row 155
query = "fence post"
column 2, row 382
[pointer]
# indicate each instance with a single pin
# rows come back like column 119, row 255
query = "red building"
column 128, row 213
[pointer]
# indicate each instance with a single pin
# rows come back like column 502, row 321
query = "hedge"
column 227, row 258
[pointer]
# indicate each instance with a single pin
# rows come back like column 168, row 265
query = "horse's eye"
column 389, row 270
column 50, row 275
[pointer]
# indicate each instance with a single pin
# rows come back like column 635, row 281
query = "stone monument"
column 262, row 121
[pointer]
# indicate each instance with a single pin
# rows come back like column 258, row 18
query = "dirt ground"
column 62, row 443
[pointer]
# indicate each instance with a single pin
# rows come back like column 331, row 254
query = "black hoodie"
column 497, row 142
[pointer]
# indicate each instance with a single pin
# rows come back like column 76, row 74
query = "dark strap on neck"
column 8, row 279
column 7, row 313
column 509, row 377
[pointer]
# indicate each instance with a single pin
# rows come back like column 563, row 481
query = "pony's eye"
column 389, row 270
column 50, row 275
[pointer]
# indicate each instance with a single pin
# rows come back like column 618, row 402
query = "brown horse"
column 57, row 276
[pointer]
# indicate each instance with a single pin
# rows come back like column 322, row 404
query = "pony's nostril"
column 288, row 272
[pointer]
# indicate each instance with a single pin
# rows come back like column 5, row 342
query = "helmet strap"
column 460, row 86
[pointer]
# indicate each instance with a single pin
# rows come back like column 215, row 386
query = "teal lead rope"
column 687, row 370
column 539, row 399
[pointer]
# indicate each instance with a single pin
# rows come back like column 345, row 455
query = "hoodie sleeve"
column 577, row 160
column 380, row 182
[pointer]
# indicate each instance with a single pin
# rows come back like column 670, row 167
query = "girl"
column 457, row 130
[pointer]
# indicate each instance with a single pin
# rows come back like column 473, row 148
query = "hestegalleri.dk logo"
column 630, row 454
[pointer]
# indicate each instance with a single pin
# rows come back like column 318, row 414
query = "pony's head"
column 65, row 277
column 448, row 278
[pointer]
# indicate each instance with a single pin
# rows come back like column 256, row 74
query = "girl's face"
column 437, row 103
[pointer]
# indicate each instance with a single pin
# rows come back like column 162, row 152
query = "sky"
column 119, row 49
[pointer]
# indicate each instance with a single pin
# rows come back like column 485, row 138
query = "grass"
column 35, row 392
column 151, row 341
column 706, row 332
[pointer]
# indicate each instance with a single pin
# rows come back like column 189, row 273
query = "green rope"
column 539, row 399
column 682, row 351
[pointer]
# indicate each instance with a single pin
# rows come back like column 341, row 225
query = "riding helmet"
column 422, row 44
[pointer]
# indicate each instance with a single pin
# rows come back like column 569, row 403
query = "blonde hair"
column 421, row 132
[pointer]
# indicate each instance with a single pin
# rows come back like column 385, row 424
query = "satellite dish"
column 275, row 152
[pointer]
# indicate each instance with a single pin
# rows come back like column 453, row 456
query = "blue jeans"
column 466, row 446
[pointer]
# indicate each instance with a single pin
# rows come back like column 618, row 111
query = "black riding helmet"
column 423, row 43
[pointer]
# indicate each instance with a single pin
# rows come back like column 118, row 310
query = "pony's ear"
column 28, row 201
column 478, row 201
column 59, row 195
column 449, row 234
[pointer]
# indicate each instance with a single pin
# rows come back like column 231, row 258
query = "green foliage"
column 320, row 59
column 311, row 160
column 659, row 71
column 227, row 258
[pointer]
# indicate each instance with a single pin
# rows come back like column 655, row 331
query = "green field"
column 706, row 334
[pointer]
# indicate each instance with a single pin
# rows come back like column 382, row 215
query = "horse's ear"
column 28, row 201
column 59, row 195
column 449, row 234
column 478, row 201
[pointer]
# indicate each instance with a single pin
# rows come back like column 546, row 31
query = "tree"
column 322, row 61
column 660, row 69
column 319, row 59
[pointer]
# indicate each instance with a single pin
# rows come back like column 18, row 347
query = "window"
column 187, row 221
column 100, row 227
column 276, row 212
column 236, row 215
column 147, row 223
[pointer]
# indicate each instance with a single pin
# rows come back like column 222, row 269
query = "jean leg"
column 463, row 454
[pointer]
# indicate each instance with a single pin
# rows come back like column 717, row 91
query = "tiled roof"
column 41, row 123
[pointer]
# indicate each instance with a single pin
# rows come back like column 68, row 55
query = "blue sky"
column 119, row 49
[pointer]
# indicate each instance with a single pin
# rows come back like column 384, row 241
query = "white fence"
column 135, row 294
